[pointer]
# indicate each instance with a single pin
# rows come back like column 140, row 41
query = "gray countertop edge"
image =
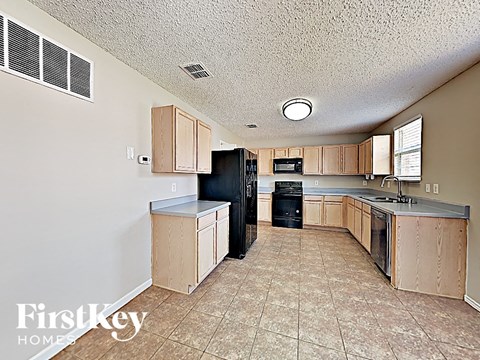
column 194, row 209
column 424, row 207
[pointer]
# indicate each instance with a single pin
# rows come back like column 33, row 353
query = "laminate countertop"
column 194, row 209
column 423, row 207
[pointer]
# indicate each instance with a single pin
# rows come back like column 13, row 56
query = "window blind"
column 408, row 151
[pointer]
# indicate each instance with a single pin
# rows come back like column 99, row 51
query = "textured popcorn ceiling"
column 359, row 62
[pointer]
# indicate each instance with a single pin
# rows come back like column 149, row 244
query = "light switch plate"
column 427, row 188
column 435, row 188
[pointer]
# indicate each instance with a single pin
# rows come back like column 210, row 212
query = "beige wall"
column 451, row 156
column 309, row 181
column 74, row 215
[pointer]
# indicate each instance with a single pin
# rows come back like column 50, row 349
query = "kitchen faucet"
column 399, row 185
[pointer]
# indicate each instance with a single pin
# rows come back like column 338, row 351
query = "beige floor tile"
column 307, row 351
column 354, row 311
column 271, row 346
column 141, row 347
column 317, row 303
column 214, row 303
column 65, row 355
column 142, row 302
column 284, row 296
column 158, row 293
column 245, row 311
column 365, row 341
column 171, row 350
column 226, row 285
column 452, row 352
column 416, row 302
column 280, row 319
column 196, row 330
column 320, row 330
column 186, row 301
column 93, row 345
column 164, row 319
column 207, row 356
column 346, row 291
column 232, row 340
column 355, row 357
column 396, row 320
column 408, row 347
column 253, row 290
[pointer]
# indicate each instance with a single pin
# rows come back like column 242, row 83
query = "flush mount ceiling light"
column 297, row 109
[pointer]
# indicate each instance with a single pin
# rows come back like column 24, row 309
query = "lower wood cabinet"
column 186, row 249
column 351, row 217
column 357, row 226
column 366, row 227
column 265, row 207
column 323, row 210
column 313, row 210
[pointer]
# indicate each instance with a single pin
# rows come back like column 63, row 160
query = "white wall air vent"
column 27, row 53
column 196, row 71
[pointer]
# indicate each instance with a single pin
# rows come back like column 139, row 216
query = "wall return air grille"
column 27, row 53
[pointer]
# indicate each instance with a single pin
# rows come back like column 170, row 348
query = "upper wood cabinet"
column 350, row 159
column 180, row 142
column 377, row 158
column 312, row 160
column 284, row 153
column 265, row 161
column 361, row 158
column 204, row 148
column 332, row 155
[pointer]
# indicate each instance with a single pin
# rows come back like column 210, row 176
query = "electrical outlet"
column 365, row 183
column 174, row 187
column 316, row 182
column 130, row 153
column 427, row 188
column 435, row 188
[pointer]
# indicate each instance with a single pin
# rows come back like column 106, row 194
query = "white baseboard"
column 472, row 303
column 54, row 349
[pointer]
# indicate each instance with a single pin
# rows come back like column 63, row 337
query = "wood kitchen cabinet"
column 333, row 211
column 180, row 142
column 265, row 162
column 265, row 207
column 357, row 227
column 366, row 227
column 376, row 159
column 323, row 210
column 280, row 153
column 283, row 153
column 186, row 249
column 332, row 159
column 350, row 159
column 351, row 215
column 312, row 210
column 204, row 148
column 312, row 160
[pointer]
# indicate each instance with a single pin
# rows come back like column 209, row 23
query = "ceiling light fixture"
column 297, row 109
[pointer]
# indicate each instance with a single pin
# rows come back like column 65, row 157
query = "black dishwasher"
column 382, row 240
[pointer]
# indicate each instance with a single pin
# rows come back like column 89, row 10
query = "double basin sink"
column 385, row 199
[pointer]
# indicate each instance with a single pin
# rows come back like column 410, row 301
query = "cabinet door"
column 222, row 238
column 204, row 148
column 205, row 251
column 366, row 228
column 332, row 214
column 350, row 159
column 296, row 152
column 368, row 156
column 185, row 142
column 312, row 212
column 351, row 218
column 331, row 160
column 361, row 158
column 357, row 229
column 264, row 210
column 280, row 153
column 312, row 160
column 265, row 161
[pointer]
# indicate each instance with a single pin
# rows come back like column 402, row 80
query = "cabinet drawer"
column 333, row 198
column 312, row 198
column 350, row 201
column 358, row 204
column 366, row 208
column 206, row 220
column 264, row 196
column 222, row 213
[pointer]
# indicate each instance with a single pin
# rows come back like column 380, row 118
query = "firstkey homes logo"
column 35, row 316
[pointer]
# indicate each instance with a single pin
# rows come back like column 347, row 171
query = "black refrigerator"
column 234, row 179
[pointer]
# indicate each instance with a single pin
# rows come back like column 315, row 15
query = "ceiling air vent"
column 196, row 71
column 2, row 51
column 251, row 126
column 28, row 54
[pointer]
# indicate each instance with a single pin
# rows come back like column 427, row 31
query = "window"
column 407, row 164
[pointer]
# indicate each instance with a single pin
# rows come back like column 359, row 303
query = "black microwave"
column 287, row 166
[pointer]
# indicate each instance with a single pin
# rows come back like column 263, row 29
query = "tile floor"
column 298, row 294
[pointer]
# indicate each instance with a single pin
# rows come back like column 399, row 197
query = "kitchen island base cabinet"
column 186, row 249
column 429, row 255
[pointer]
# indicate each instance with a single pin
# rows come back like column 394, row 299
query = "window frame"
column 409, row 178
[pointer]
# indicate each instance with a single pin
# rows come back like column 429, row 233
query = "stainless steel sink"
column 379, row 199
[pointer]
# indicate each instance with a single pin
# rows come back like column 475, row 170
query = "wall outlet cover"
column 435, row 188
column 365, row 183
column 427, row 188
column 130, row 153
column 174, row 187
column 316, row 182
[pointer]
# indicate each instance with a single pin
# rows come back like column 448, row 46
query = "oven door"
column 287, row 210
